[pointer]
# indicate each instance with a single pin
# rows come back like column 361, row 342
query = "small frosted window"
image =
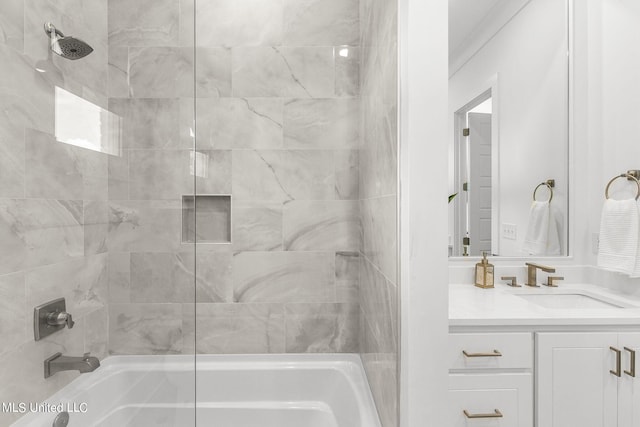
column 85, row 124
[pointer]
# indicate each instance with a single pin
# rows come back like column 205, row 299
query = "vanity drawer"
column 496, row 400
column 491, row 351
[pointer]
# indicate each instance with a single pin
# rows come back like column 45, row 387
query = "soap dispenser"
column 484, row 273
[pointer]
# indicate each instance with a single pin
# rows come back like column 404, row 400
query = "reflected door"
column 479, row 186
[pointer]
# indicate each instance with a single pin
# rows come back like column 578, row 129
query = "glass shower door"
column 97, row 184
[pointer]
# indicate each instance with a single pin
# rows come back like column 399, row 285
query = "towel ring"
column 550, row 191
column 624, row 175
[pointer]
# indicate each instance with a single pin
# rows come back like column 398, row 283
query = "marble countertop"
column 503, row 306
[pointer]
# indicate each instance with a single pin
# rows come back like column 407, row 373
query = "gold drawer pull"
column 495, row 353
column 632, row 362
column 618, row 371
column 496, row 414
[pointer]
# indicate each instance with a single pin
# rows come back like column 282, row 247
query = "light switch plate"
column 509, row 231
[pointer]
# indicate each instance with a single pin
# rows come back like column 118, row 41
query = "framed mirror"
column 508, row 127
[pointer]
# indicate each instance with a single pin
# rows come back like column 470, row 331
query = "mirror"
column 508, row 127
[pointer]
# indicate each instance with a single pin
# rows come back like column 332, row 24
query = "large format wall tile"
column 33, row 108
column 283, row 277
column 96, row 333
column 347, row 170
column 257, row 226
column 302, row 72
column 145, row 226
column 160, row 72
column 119, row 273
column 39, row 232
column 321, row 328
column 12, row 160
column 13, row 316
column 143, row 23
column 167, row 174
column 83, row 282
column 12, row 24
column 322, row 226
column 322, row 123
column 149, row 123
column 378, row 156
column 347, row 70
column 321, row 22
column 234, row 123
column 96, row 226
column 379, row 217
column 259, row 175
column 167, row 72
column 213, row 72
column 170, row 278
column 62, row 171
column 309, row 174
column 240, row 328
column 118, row 71
column 239, row 23
column 161, row 278
column 145, row 328
column 348, row 277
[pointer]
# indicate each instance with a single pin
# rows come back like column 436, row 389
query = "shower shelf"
column 206, row 219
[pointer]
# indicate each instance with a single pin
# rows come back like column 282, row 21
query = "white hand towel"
column 542, row 236
column 618, row 247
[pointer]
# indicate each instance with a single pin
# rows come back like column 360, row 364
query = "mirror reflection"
column 509, row 127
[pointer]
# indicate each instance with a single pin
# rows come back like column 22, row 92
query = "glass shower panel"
column 278, row 234
column 97, row 173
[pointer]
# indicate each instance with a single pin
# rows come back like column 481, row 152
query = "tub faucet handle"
column 59, row 318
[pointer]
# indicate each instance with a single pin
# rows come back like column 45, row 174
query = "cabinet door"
column 575, row 387
column 505, row 400
column 629, row 386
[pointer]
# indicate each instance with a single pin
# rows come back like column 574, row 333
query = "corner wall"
column 52, row 196
column 379, row 293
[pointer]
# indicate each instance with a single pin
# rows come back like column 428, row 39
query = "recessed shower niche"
column 211, row 213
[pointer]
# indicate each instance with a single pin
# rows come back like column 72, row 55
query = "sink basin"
column 569, row 301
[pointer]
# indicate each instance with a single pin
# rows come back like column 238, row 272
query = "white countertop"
column 470, row 306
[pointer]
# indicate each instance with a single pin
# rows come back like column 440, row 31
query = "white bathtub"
column 324, row 390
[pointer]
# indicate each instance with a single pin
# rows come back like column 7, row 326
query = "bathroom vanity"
column 545, row 357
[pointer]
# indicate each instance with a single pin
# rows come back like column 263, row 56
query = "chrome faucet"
column 58, row 363
column 532, row 270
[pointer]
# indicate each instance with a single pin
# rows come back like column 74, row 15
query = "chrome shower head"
column 67, row 47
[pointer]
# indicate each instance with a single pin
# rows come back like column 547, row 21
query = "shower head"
column 67, row 47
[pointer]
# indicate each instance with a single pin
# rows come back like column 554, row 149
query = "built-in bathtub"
column 231, row 391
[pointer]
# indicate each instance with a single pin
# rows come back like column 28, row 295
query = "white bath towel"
column 543, row 237
column 619, row 227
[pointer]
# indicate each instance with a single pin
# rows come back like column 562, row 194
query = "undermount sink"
column 569, row 301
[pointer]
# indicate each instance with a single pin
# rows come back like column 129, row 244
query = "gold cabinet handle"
column 617, row 372
column 495, row 353
column 496, row 414
column 632, row 362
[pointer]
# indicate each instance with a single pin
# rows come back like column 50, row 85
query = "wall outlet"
column 509, row 231
column 595, row 243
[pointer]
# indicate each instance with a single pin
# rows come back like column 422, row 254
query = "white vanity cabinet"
column 490, row 380
column 578, row 382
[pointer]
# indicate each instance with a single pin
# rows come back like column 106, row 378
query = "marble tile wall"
column 378, row 296
column 53, row 196
column 277, row 116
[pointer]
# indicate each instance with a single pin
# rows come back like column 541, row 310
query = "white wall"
column 529, row 57
column 614, row 111
column 423, row 237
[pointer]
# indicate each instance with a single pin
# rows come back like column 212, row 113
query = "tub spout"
column 59, row 363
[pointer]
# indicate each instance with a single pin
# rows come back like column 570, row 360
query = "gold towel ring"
column 550, row 191
column 624, row 175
